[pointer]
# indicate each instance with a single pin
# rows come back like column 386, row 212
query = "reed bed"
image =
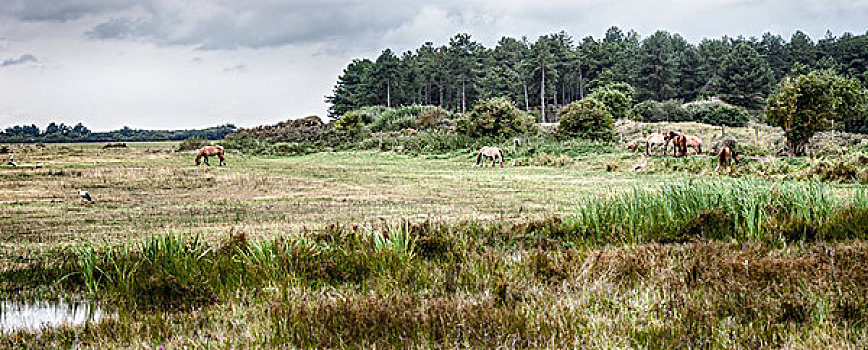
column 744, row 210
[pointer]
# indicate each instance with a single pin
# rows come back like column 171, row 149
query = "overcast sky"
column 169, row 64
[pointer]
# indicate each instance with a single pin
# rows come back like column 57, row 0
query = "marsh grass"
column 745, row 210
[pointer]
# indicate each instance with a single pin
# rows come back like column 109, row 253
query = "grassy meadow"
column 371, row 249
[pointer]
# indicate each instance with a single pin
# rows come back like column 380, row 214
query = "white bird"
column 40, row 165
column 84, row 195
column 641, row 165
column 13, row 163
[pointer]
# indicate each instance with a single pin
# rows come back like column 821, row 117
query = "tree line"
column 549, row 73
column 55, row 132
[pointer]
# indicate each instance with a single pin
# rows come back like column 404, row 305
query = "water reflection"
column 30, row 316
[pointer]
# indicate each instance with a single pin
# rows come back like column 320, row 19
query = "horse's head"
column 669, row 135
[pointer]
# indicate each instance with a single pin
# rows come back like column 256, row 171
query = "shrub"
column 350, row 122
column 587, row 119
column 432, row 118
column 616, row 102
column 495, row 117
column 623, row 88
column 191, row 144
column 717, row 114
column 399, row 118
column 370, row 113
column 652, row 111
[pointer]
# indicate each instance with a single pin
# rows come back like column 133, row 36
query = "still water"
column 31, row 316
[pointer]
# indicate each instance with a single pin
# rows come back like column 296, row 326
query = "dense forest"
column 79, row 133
column 556, row 70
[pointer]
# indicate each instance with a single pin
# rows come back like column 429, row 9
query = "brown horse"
column 494, row 153
column 725, row 157
column 679, row 143
column 655, row 139
column 209, row 151
column 695, row 143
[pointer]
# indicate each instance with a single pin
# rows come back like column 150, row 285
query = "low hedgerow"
column 717, row 113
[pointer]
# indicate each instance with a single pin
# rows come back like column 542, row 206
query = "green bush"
column 495, row 117
column 616, row 102
column 588, row 119
column 432, row 118
column 717, row 114
column 192, row 143
column 350, row 122
column 623, row 88
column 370, row 113
column 399, row 118
column 652, row 111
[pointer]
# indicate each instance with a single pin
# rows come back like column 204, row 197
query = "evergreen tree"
column 711, row 53
column 503, row 76
column 657, row 67
column 745, row 78
column 688, row 73
column 385, row 76
column 351, row 90
column 463, row 55
column 541, row 64
column 773, row 49
column 801, row 49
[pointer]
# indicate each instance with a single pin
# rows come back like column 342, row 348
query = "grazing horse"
column 208, row 151
column 655, row 139
column 679, row 143
column 695, row 143
column 725, row 157
column 494, row 153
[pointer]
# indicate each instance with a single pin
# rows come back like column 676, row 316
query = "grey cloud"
column 346, row 25
column 227, row 25
column 17, row 61
column 60, row 11
column 238, row 68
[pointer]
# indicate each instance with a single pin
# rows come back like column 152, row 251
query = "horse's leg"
column 206, row 160
column 222, row 160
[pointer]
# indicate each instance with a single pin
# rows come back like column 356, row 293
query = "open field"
column 368, row 249
column 142, row 191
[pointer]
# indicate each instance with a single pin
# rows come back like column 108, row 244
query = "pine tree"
column 745, row 77
column 657, row 67
column 351, row 91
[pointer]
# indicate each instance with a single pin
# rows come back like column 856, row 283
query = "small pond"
column 34, row 315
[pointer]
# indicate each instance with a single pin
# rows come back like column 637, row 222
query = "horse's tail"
column 479, row 158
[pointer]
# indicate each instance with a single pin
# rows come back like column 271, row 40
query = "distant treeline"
column 79, row 133
column 556, row 69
